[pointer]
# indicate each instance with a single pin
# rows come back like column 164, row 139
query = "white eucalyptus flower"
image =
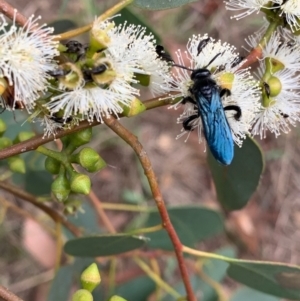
column 247, row 7
column 283, row 51
column 243, row 89
column 93, row 102
column 281, row 109
column 290, row 9
column 26, row 55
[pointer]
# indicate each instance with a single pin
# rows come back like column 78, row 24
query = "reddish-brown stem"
column 56, row 217
column 6, row 295
column 254, row 55
column 101, row 213
column 35, row 142
column 132, row 140
column 9, row 11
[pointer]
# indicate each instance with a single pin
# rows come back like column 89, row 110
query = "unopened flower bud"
column 80, row 183
column 79, row 138
column 5, row 142
column 90, row 277
column 16, row 164
column 52, row 165
column 89, row 159
column 22, row 136
column 82, row 295
column 3, row 127
column 61, row 187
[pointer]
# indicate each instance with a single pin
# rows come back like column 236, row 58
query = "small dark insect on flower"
column 88, row 72
column 267, row 89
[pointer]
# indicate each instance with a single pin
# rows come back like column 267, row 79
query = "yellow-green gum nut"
column 79, row 138
column 89, row 159
column 273, row 65
column 80, row 183
column 99, row 165
column 61, row 187
column 226, row 80
column 144, row 79
column 3, row 127
column 5, row 142
column 90, row 277
column 82, row 295
column 52, row 165
column 275, row 86
column 22, row 136
column 116, row 298
column 73, row 78
column 16, row 164
column 136, row 107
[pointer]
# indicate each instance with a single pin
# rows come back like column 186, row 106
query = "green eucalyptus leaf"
column 192, row 224
column 137, row 289
column 248, row 294
column 277, row 279
column 237, row 182
column 214, row 269
column 133, row 18
column 103, row 245
column 61, row 284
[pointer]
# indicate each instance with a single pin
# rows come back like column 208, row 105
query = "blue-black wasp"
column 206, row 95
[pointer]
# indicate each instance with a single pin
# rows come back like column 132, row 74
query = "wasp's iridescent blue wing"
column 216, row 128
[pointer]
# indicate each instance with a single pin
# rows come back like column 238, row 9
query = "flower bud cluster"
column 15, row 163
column 90, row 279
column 60, row 163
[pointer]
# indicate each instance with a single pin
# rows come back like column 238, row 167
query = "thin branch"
column 9, row 11
column 35, row 142
column 16, row 191
column 6, row 295
column 26, row 214
column 101, row 213
column 132, row 140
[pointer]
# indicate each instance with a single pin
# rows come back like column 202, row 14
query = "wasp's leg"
column 238, row 110
column 224, row 92
column 186, row 122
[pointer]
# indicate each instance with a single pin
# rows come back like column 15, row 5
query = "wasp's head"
column 200, row 74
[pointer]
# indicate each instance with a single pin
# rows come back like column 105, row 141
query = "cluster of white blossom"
column 100, row 81
column 101, row 78
column 288, row 9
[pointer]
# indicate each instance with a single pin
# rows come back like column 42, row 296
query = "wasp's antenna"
column 182, row 67
column 213, row 59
